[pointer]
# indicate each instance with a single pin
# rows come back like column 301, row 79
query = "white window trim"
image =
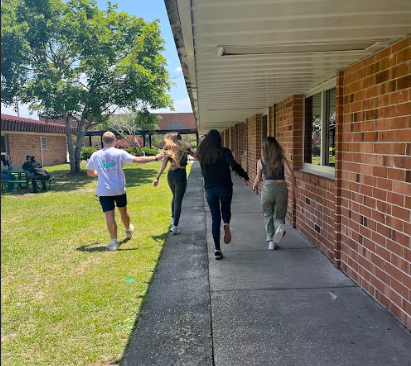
column 327, row 171
column 5, row 142
column 43, row 139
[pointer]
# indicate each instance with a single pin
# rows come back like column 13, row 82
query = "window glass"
column 319, row 129
column 3, row 145
column 331, row 97
column 313, row 121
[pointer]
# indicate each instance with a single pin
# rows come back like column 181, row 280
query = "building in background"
column 24, row 136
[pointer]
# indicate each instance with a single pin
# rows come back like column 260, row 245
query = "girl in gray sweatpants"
column 274, row 196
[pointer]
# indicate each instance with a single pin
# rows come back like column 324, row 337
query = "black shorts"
column 107, row 202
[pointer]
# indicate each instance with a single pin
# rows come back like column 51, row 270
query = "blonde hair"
column 174, row 148
column 273, row 155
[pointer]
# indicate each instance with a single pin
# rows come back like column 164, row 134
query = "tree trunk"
column 69, row 141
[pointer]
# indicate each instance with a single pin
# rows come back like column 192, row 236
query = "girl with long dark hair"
column 274, row 196
column 176, row 152
column 215, row 162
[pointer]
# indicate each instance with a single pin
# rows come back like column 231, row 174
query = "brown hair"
column 209, row 148
column 273, row 155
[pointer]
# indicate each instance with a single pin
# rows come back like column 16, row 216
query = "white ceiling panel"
column 280, row 47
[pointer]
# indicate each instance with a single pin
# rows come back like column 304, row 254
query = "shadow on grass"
column 161, row 238
column 98, row 247
column 137, row 177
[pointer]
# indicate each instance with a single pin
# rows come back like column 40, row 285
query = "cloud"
column 178, row 69
column 23, row 111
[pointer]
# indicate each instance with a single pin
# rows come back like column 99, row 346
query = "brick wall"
column 21, row 145
column 242, row 146
column 361, row 219
column 253, row 146
column 376, row 177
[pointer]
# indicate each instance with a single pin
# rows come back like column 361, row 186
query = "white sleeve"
column 90, row 165
column 126, row 157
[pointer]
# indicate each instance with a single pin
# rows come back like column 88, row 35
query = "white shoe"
column 270, row 245
column 279, row 234
column 114, row 245
column 175, row 230
column 130, row 232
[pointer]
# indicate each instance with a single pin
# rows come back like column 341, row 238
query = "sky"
column 149, row 10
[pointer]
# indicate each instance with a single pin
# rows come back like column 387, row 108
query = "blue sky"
column 149, row 10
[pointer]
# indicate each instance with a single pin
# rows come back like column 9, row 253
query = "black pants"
column 219, row 197
column 177, row 181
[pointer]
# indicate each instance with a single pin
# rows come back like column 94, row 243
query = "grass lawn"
column 65, row 299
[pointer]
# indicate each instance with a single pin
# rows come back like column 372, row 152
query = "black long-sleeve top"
column 218, row 174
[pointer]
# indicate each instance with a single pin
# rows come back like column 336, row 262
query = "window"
column 3, row 145
column 43, row 142
column 319, row 130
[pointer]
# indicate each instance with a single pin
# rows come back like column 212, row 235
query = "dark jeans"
column 177, row 181
column 6, row 176
column 216, row 196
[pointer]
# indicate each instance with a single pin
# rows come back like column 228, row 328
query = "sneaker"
column 174, row 230
column 114, row 244
column 279, row 234
column 130, row 232
column 270, row 245
column 218, row 255
column 227, row 234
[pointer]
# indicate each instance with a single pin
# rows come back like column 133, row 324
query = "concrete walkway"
column 288, row 307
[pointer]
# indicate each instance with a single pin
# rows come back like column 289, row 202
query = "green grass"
column 64, row 297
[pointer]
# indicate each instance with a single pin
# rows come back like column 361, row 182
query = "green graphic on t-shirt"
column 106, row 163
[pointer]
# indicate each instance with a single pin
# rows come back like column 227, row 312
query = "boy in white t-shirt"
column 107, row 164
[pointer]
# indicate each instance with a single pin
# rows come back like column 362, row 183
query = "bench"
column 42, row 185
column 19, row 184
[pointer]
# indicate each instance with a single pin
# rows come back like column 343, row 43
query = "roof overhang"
column 238, row 57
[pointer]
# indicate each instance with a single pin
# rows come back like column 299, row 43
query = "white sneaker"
column 175, row 230
column 279, row 234
column 130, row 232
column 270, row 245
column 114, row 244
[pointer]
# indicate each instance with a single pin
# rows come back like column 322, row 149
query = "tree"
column 130, row 125
column 70, row 60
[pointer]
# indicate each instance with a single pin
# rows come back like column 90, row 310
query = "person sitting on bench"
column 6, row 165
column 37, row 172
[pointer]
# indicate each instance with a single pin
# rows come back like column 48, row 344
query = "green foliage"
column 86, row 152
column 131, row 151
column 150, row 152
column 147, row 151
column 71, row 59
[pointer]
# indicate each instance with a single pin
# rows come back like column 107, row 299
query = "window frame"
column 323, row 88
column 6, row 152
column 43, row 143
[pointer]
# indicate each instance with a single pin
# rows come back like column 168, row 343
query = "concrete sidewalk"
column 288, row 307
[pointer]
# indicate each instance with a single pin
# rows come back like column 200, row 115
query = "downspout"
column 41, row 149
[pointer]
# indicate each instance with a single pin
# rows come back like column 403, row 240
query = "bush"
column 150, row 152
column 86, row 152
column 131, row 151
column 147, row 151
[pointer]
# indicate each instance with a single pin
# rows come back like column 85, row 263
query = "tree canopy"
column 71, row 60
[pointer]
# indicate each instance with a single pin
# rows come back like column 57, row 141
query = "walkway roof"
column 238, row 57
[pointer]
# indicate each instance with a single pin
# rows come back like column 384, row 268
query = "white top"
column 6, row 166
column 109, row 164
